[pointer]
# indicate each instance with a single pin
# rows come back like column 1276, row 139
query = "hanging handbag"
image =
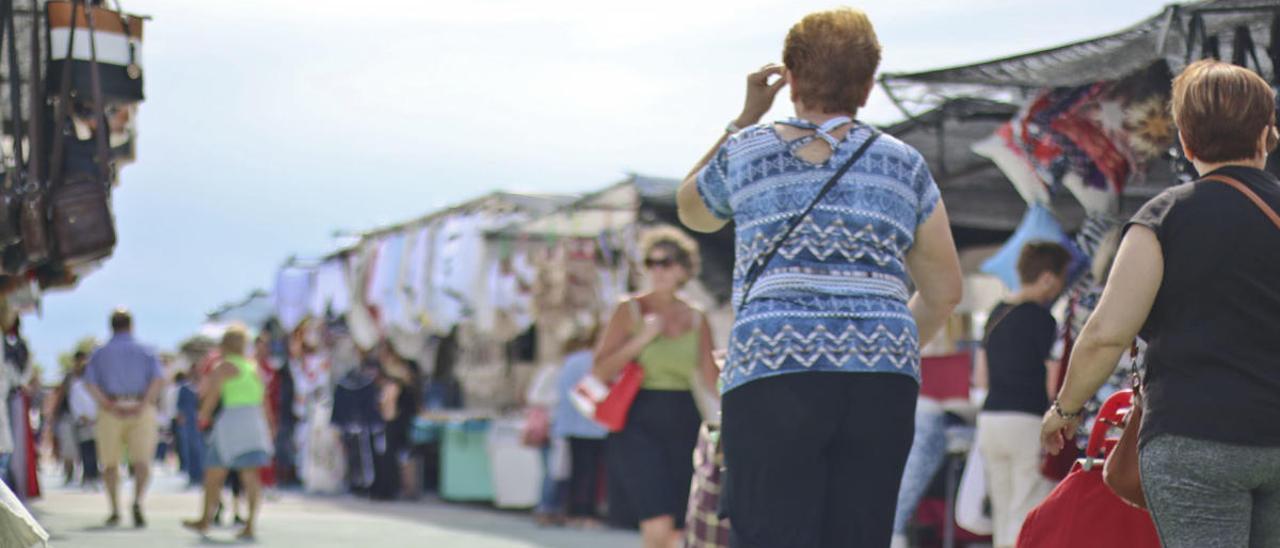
column 81, row 222
column 1121, row 471
column 14, row 178
column 119, row 57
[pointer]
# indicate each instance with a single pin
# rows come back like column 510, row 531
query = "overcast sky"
column 270, row 125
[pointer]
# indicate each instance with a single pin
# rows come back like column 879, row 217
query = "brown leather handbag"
column 1121, row 471
column 80, row 219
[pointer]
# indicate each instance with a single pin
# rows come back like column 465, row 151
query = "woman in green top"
column 651, row 459
column 238, row 435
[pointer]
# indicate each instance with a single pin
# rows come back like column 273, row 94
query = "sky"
column 269, row 127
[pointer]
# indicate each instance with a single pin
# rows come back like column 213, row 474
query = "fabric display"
column 1091, row 140
column 329, row 294
column 293, row 295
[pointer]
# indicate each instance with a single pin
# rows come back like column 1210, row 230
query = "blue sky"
column 270, row 125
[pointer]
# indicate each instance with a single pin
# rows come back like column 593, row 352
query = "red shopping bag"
column 609, row 405
column 1082, row 510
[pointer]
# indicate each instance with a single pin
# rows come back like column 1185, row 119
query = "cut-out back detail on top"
column 822, row 132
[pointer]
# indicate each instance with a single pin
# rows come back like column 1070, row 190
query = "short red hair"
column 832, row 56
column 1221, row 110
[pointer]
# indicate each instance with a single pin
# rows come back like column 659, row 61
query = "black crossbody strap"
column 757, row 266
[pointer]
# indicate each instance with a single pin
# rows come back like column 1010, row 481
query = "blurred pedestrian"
column 1196, row 276
column 585, row 436
column 822, row 376
column 84, row 411
column 190, row 439
column 232, row 411
column 66, row 448
column 125, row 380
column 671, row 340
column 1019, row 340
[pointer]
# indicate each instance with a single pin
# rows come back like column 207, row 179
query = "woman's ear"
column 1271, row 139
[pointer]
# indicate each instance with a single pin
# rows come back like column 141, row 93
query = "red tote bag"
column 612, row 411
column 608, row 405
column 1082, row 510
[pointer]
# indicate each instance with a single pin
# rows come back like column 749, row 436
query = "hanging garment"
column 383, row 295
column 360, row 320
column 293, row 294
column 322, row 459
column 330, row 293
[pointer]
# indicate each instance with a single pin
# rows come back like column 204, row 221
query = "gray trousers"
column 1205, row 494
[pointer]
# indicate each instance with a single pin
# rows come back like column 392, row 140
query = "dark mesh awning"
column 1231, row 29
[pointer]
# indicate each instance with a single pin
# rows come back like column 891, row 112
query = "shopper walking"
column 1019, row 340
column 125, row 380
column 84, row 411
column 190, row 439
column 232, row 409
column 1196, row 276
column 671, row 340
column 585, row 437
column 822, row 376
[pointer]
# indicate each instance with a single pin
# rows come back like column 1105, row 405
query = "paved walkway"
column 73, row 518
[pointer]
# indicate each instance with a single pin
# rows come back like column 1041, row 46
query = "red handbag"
column 1082, row 510
column 612, row 411
column 609, row 405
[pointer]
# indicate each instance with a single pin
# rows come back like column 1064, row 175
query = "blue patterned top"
column 834, row 298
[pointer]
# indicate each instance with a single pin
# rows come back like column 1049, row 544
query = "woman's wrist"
column 745, row 120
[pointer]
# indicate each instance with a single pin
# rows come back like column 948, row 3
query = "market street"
column 72, row 517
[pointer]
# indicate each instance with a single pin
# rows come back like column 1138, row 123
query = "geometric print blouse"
column 834, row 297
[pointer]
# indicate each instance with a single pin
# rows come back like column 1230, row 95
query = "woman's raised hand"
column 761, row 93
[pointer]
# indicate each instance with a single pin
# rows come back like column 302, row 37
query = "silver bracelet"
column 1057, row 410
column 732, row 127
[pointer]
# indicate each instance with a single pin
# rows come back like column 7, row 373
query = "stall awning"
column 1238, row 29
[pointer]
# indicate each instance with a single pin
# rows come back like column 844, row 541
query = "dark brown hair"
column 832, row 56
column 121, row 320
column 1040, row 257
column 1221, row 110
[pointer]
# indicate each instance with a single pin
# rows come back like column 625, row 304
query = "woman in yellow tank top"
column 239, row 438
column 651, row 459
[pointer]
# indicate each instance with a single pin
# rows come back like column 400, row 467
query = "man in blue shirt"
column 125, row 378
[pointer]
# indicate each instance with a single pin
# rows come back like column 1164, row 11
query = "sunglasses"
column 659, row 262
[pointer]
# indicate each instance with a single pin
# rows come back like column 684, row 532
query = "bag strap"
column 102, row 158
column 1248, row 193
column 64, row 100
column 757, row 266
column 35, row 133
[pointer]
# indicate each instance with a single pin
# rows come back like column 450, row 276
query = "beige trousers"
column 1010, row 445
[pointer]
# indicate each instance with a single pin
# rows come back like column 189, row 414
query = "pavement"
column 73, row 517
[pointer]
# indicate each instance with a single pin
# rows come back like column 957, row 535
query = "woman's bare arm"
column 935, row 268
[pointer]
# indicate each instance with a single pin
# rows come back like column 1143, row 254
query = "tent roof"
column 612, row 208
column 1166, row 36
